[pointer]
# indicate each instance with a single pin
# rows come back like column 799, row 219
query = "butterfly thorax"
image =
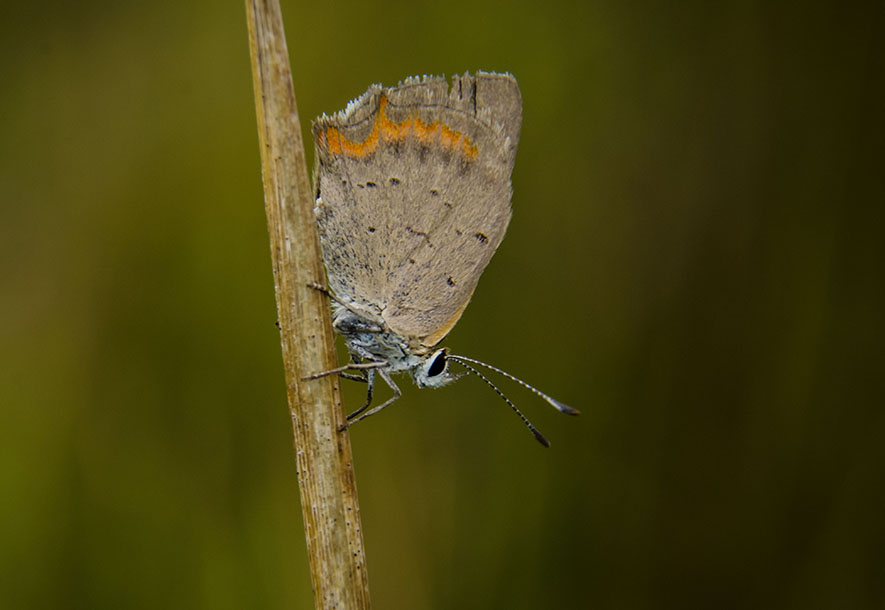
column 371, row 340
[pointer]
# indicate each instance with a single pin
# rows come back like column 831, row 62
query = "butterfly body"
column 412, row 199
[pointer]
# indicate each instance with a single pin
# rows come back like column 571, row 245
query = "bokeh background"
column 695, row 261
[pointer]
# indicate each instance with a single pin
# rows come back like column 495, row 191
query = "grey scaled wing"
column 414, row 193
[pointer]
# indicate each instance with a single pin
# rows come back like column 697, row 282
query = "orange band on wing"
column 393, row 131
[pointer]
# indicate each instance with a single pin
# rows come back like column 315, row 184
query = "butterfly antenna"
column 563, row 408
column 540, row 437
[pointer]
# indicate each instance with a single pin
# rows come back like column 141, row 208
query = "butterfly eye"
column 438, row 365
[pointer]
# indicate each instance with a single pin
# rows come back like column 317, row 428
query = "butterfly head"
column 433, row 370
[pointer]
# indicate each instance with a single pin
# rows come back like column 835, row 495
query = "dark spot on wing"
column 394, row 181
column 482, row 237
column 420, row 234
column 450, row 281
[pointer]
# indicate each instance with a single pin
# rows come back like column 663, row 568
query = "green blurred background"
column 695, row 261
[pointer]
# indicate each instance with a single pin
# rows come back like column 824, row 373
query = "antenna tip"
column 540, row 438
column 564, row 408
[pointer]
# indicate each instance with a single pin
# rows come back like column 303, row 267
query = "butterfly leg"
column 368, row 376
column 361, row 378
column 359, row 415
column 347, row 367
column 355, row 358
column 322, row 288
column 370, row 379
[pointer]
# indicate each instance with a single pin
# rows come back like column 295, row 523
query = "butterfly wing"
column 414, row 196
